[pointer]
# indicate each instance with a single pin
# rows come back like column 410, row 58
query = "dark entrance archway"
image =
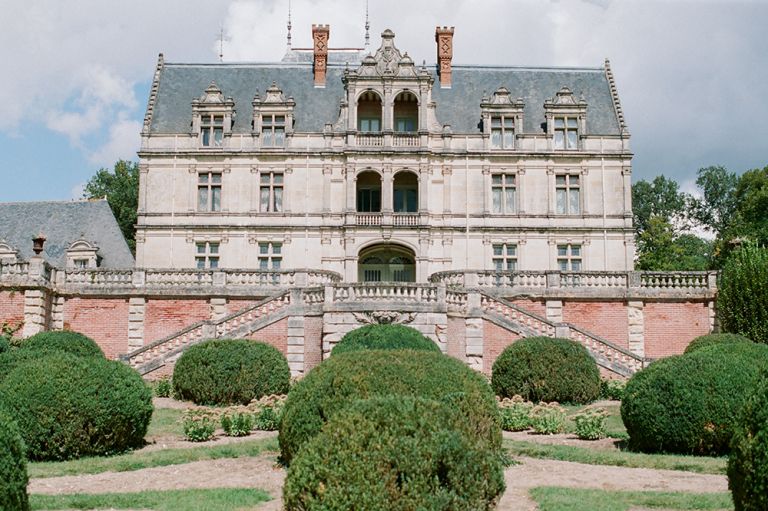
column 386, row 262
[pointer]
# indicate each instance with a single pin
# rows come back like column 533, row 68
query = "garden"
column 389, row 422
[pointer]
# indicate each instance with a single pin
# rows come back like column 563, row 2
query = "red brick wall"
column 105, row 320
column 238, row 304
column 165, row 317
column 313, row 342
column 456, row 331
column 275, row 334
column 671, row 326
column 12, row 308
column 537, row 307
column 606, row 319
column 495, row 339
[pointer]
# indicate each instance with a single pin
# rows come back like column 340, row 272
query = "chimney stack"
column 444, row 40
column 320, row 36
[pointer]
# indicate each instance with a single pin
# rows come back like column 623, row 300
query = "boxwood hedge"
column 704, row 341
column 689, row 403
column 363, row 374
column 396, row 453
column 546, row 369
column 68, row 406
column 230, row 371
column 748, row 462
column 13, row 467
column 63, row 340
column 384, row 337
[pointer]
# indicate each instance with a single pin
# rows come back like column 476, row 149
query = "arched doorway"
column 405, row 192
column 369, row 112
column 386, row 263
column 368, row 192
column 406, row 113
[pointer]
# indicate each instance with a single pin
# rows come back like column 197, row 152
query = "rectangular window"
column 566, row 133
column 369, row 200
column 569, row 257
column 209, row 191
column 405, row 124
column 212, row 130
column 273, row 129
column 270, row 255
column 568, row 194
column 504, row 193
column 206, row 255
column 271, row 192
column 502, row 132
column 81, row 264
column 504, row 257
column 368, row 124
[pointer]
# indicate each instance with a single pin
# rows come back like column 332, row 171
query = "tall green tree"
column 121, row 188
column 715, row 209
column 660, row 198
column 661, row 248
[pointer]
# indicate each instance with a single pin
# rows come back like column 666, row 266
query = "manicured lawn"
column 219, row 499
column 700, row 464
column 159, row 458
column 568, row 499
column 165, row 422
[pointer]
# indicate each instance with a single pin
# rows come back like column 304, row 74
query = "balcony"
column 405, row 219
column 368, row 219
column 369, row 140
column 405, row 140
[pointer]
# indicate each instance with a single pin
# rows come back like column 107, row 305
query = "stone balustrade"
column 386, row 292
column 534, row 324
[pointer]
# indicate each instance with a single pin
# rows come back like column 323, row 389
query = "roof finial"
column 221, row 43
column 289, row 26
column 367, row 27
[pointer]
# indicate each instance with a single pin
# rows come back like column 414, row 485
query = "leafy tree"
column 121, row 188
column 661, row 248
column 660, row 198
column 715, row 210
column 742, row 299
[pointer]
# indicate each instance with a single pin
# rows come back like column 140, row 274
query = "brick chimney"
column 444, row 40
column 320, row 35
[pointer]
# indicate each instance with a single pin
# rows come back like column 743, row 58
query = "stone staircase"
column 611, row 357
column 243, row 322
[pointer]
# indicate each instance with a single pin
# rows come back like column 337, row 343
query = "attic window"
column 566, row 133
column 82, row 255
column 212, row 117
column 212, row 130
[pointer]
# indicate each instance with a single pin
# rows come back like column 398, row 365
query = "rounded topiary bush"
column 230, row 371
column 10, row 359
column 68, row 406
column 384, row 337
column 689, row 403
column 63, row 340
column 5, row 344
column 344, row 378
column 546, row 369
column 13, row 467
column 748, row 462
column 704, row 341
column 396, row 453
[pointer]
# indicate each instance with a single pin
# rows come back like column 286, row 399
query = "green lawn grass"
column 159, row 458
column 219, row 499
column 614, row 426
column 166, row 422
column 700, row 464
column 570, row 499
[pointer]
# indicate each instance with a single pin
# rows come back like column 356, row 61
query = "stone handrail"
column 536, row 324
column 102, row 277
column 405, row 219
column 401, row 292
column 369, row 140
column 605, row 351
column 405, row 140
column 678, row 280
column 13, row 269
column 366, row 219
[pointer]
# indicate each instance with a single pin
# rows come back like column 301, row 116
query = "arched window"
column 369, row 112
column 405, row 193
column 406, row 113
column 368, row 192
column 387, row 263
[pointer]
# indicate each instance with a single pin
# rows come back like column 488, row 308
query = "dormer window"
column 566, row 120
column 273, row 117
column 82, row 255
column 566, row 133
column 273, row 129
column 212, row 117
column 501, row 116
column 8, row 254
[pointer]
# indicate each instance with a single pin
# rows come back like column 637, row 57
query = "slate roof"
column 63, row 223
column 458, row 106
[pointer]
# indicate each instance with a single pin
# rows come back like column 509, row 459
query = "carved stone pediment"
column 212, row 96
column 384, row 317
column 387, row 61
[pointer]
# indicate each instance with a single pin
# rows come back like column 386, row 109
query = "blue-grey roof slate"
column 458, row 106
column 62, row 223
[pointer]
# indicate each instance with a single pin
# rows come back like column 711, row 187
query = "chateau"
column 293, row 202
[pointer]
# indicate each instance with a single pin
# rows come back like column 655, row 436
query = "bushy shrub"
column 742, row 293
column 748, row 462
column 590, row 424
column 198, row 425
column 612, row 389
column 363, row 374
column 384, row 337
column 548, row 418
column 163, row 387
column 237, row 424
column 688, row 403
column 13, row 467
column 226, row 371
column 68, row 406
column 10, row 359
column 515, row 413
column 546, row 369
column 267, row 419
column 63, row 340
column 396, row 453
column 704, row 341
column 5, row 344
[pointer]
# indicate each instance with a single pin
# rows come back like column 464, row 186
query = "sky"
column 692, row 76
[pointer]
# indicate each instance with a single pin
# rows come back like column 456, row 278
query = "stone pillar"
column 36, row 311
column 447, row 171
column 295, row 348
column 555, row 311
column 136, row 309
column 218, row 308
column 387, row 189
column 636, row 327
column 57, row 313
column 474, row 343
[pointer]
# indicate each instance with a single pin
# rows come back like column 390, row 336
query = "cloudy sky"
column 692, row 76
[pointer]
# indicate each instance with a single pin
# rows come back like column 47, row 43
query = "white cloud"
column 77, row 191
column 123, row 143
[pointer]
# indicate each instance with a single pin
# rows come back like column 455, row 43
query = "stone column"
column 136, row 309
column 447, row 171
column 57, row 313
column 218, row 307
column 36, row 311
column 295, row 342
column 636, row 327
column 555, row 311
column 474, row 332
